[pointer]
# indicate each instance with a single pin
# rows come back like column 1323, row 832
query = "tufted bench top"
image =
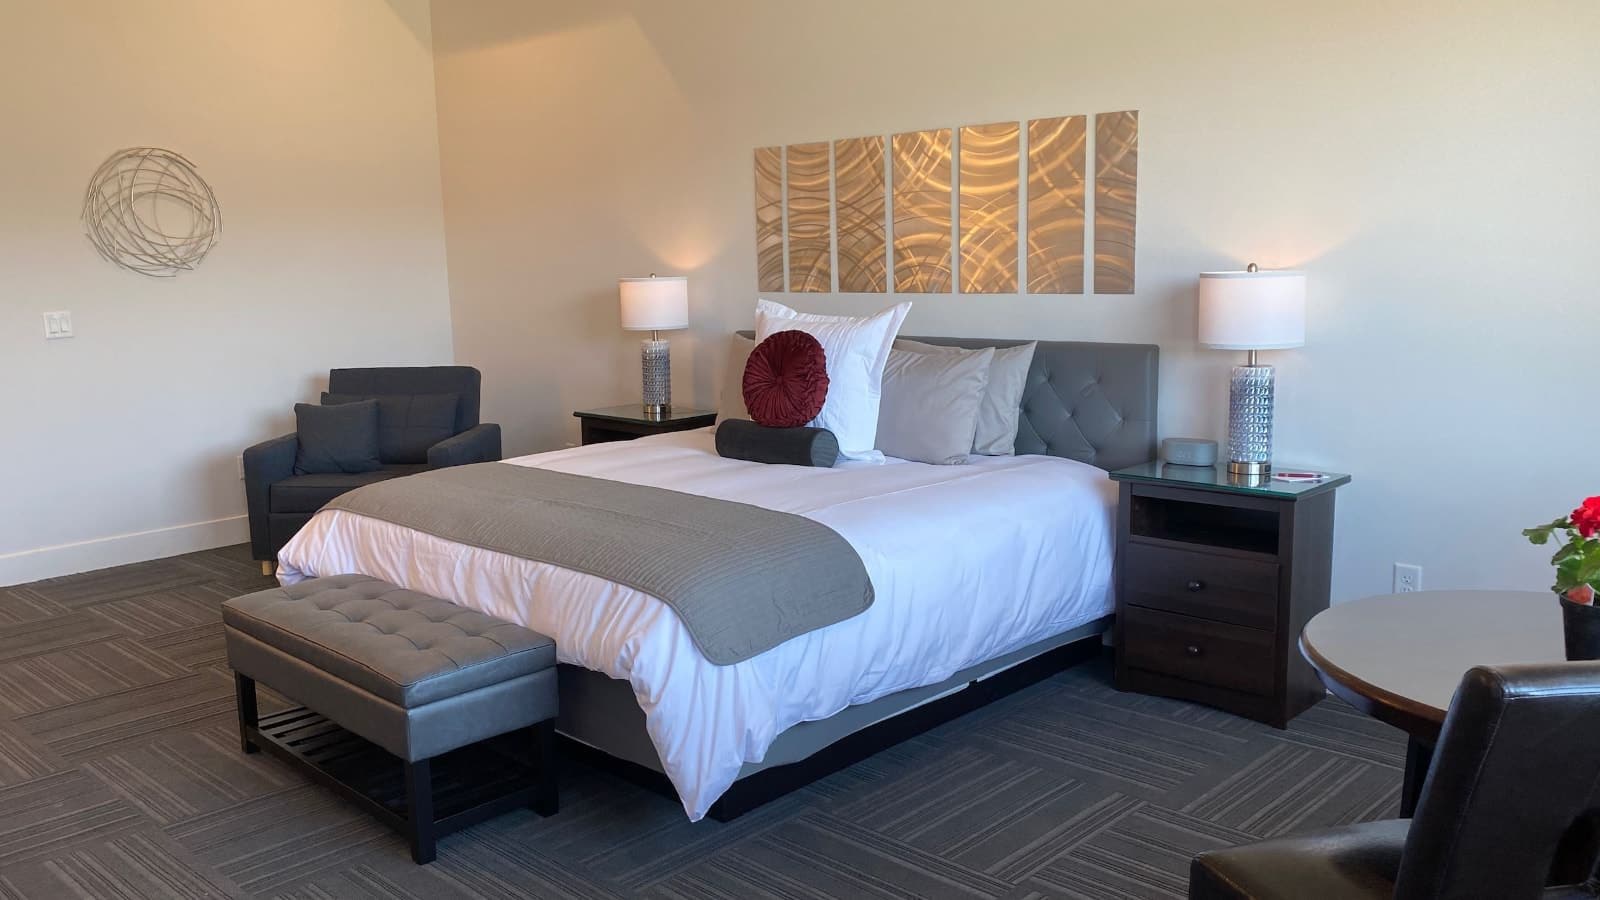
column 408, row 648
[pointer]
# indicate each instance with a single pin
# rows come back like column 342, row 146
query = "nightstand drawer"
column 1225, row 656
column 1209, row 586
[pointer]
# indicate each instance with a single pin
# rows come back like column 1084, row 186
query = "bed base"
column 759, row 788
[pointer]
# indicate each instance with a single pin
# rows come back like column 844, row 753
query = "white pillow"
column 731, row 404
column 857, row 350
column 1001, row 412
column 930, row 404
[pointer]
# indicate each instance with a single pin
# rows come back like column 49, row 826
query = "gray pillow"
column 408, row 424
column 1001, row 411
column 335, row 439
column 929, row 410
column 743, row 439
column 731, row 404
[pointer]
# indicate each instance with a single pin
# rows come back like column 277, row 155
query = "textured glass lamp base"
column 1250, row 420
column 657, row 367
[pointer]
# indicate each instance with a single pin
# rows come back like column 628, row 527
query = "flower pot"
column 1580, row 624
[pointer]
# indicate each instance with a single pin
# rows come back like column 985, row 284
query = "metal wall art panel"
column 810, row 237
column 769, row 218
column 1116, row 172
column 922, row 196
column 794, row 205
column 1057, row 153
column 990, row 207
column 860, row 201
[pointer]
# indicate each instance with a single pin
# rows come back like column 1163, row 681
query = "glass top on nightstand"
column 634, row 413
column 1216, row 478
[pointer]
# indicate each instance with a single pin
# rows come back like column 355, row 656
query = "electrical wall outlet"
column 1407, row 578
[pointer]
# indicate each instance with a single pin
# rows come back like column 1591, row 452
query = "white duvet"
column 967, row 563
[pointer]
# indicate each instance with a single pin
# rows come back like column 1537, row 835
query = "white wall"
column 1430, row 164
column 314, row 123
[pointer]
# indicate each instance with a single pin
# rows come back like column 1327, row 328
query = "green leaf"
column 1567, row 574
column 1572, row 548
column 1588, row 568
column 1542, row 533
column 1582, row 567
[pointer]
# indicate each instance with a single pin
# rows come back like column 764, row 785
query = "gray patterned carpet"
column 120, row 776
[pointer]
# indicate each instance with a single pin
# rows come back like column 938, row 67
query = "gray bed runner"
column 741, row 578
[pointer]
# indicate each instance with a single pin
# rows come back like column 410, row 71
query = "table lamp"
column 655, row 304
column 1252, row 310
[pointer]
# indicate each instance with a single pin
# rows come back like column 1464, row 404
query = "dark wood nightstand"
column 624, row 423
column 1216, row 576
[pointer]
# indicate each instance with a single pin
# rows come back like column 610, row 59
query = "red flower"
column 1581, row 594
column 1586, row 518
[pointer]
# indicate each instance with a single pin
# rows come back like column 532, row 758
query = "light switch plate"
column 57, row 325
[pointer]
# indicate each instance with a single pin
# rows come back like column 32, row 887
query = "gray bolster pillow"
column 743, row 439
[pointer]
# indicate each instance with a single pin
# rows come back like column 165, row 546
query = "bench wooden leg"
column 419, row 811
column 244, row 694
column 546, row 794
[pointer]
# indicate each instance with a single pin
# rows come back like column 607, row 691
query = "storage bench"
column 402, row 695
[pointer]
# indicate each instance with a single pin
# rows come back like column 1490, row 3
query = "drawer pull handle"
column 1192, row 650
column 1195, row 586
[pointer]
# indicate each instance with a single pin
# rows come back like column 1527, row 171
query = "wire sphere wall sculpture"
column 148, row 211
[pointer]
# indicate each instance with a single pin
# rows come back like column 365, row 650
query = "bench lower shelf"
column 450, row 792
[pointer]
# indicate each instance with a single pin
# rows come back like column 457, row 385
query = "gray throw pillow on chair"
column 336, row 439
column 408, row 424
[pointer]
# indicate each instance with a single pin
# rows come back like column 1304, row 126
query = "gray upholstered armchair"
column 280, row 501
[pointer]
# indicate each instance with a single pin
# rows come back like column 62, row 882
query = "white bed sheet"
column 967, row 563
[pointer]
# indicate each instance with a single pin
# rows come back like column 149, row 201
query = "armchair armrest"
column 480, row 443
column 265, row 463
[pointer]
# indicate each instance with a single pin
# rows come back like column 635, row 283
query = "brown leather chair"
column 1510, row 809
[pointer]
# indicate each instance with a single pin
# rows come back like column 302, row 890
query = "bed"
column 987, row 576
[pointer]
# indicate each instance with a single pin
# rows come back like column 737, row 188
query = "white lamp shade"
column 654, row 303
column 1262, row 310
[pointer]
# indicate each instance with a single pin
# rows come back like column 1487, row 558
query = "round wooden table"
column 1399, row 657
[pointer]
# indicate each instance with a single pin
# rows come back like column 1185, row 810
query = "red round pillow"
column 786, row 380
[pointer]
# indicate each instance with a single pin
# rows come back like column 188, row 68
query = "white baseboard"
column 100, row 553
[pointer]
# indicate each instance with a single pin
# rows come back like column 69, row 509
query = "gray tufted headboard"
column 1092, row 402
column 1095, row 403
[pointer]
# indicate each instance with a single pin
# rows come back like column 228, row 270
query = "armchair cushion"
column 336, row 438
column 1356, row 861
column 464, row 381
column 408, row 424
column 480, row 443
column 308, row 493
